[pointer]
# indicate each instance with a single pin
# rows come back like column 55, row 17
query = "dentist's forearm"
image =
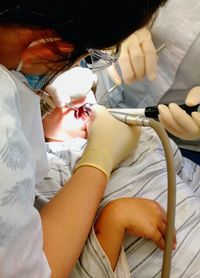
column 68, row 217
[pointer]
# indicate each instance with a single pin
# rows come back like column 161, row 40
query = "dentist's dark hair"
column 83, row 24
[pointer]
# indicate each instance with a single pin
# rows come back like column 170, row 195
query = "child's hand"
column 139, row 217
column 136, row 216
column 145, row 218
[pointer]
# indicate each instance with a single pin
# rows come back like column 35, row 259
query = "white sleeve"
column 93, row 262
column 21, row 239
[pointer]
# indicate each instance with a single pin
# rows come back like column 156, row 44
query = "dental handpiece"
column 152, row 111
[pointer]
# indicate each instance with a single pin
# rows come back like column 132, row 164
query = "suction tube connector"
column 171, row 177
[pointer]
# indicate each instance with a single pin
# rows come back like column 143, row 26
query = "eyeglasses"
column 99, row 60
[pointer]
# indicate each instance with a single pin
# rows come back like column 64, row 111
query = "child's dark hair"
column 84, row 24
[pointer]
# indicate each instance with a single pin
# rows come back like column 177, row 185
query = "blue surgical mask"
column 36, row 82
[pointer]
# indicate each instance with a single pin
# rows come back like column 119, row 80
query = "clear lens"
column 99, row 60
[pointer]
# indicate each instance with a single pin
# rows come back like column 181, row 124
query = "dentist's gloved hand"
column 109, row 141
column 137, row 58
column 71, row 85
column 178, row 122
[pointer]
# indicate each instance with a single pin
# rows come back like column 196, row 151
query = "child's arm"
column 136, row 216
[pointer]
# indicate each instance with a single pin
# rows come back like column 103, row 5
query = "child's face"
column 62, row 124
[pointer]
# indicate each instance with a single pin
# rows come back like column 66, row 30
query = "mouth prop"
column 83, row 111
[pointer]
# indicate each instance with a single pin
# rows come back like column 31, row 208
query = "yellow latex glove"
column 178, row 122
column 109, row 141
column 71, row 85
column 137, row 58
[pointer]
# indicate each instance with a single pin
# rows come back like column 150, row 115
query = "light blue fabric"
column 36, row 82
